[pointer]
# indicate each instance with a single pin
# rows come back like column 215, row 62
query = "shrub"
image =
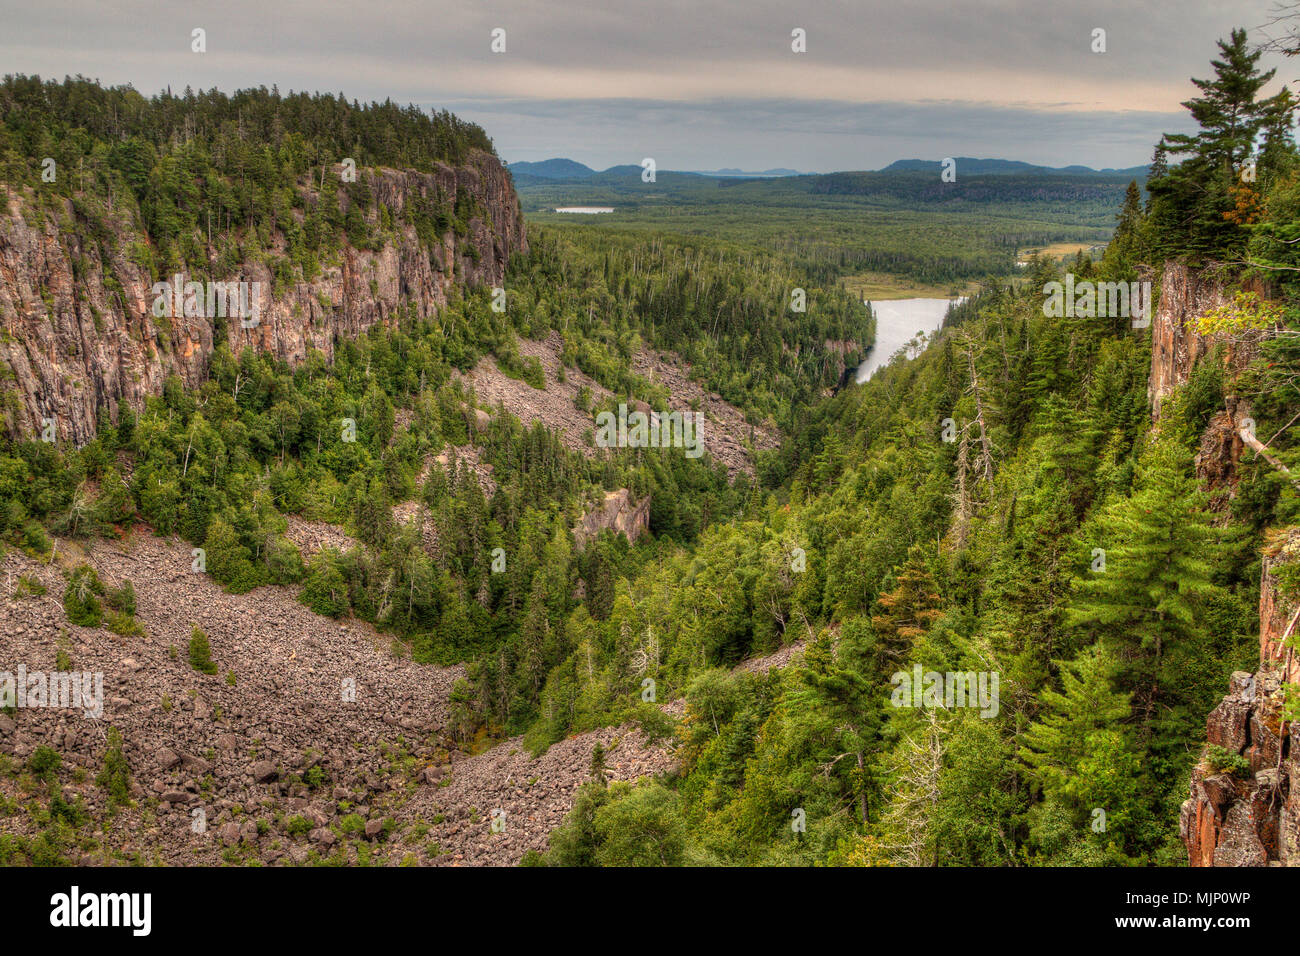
column 81, row 597
column 122, row 599
column 35, row 540
column 115, row 777
column 44, row 762
column 325, row 590
column 29, row 586
column 201, row 653
column 124, row 624
column 1221, row 760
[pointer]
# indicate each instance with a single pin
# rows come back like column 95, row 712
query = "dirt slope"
column 283, row 767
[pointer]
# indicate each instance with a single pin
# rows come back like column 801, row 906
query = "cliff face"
column 1243, row 809
column 76, row 335
column 1176, row 347
column 1251, row 817
column 1244, row 802
column 616, row 512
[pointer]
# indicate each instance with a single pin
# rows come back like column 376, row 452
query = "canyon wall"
column 1243, row 809
column 1248, row 813
column 78, row 336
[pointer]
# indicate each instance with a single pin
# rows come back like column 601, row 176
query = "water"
column 898, row 321
column 585, row 210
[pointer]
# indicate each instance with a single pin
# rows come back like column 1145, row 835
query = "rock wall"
column 1176, row 347
column 1242, row 811
column 1252, row 817
column 76, row 336
column 617, row 512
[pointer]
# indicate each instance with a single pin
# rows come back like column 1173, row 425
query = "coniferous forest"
column 1083, row 519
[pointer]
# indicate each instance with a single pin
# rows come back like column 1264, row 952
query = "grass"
column 878, row 286
column 1060, row 250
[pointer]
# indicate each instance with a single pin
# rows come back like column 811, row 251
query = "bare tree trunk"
column 986, row 454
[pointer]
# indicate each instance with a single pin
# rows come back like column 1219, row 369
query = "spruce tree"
column 1147, row 606
column 1193, row 202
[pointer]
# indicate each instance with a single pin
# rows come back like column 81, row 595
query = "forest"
column 867, row 538
column 904, row 223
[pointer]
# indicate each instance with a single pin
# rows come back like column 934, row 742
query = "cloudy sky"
column 697, row 84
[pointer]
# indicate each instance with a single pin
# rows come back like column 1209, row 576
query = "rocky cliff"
column 1243, row 809
column 78, row 335
column 1244, row 805
column 617, row 512
column 1176, row 348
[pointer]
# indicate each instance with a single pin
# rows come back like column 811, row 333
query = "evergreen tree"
column 1192, row 203
column 1148, row 605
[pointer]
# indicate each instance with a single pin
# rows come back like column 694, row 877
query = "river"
column 898, row 321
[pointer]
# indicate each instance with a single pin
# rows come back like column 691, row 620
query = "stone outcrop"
column 1243, row 809
column 1277, row 615
column 78, row 335
column 1175, row 346
column 1250, row 815
column 617, row 512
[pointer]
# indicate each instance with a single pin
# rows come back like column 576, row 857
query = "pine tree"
column 842, row 689
column 1147, row 605
column 904, row 613
column 1193, row 202
column 1126, row 249
column 1056, row 743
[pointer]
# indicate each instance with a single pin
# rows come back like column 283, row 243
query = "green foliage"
column 623, row 825
column 44, row 763
column 115, row 775
column 201, row 653
column 1221, row 760
column 81, row 598
column 182, row 163
column 1203, row 206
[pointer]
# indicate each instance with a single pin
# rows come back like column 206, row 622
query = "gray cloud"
column 696, row 84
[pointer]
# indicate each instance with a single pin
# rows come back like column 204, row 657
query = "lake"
column 898, row 321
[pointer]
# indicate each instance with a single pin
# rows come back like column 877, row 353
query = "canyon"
column 78, row 337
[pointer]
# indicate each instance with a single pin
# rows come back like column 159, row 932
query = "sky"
column 693, row 85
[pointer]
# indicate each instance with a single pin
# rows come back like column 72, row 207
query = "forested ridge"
column 199, row 165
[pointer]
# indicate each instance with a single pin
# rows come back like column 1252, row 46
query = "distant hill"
column 572, row 170
column 619, row 172
column 1008, row 167
column 552, row 169
column 569, row 170
column 742, row 174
